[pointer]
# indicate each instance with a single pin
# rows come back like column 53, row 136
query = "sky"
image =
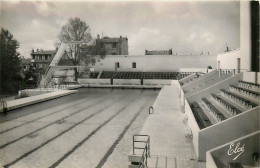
column 185, row 26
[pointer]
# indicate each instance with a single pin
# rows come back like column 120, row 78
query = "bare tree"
column 74, row 30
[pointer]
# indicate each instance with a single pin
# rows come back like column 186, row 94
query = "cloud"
column 148, row 39
column 184, row 26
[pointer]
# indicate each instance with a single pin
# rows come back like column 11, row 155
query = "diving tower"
column 49, row 74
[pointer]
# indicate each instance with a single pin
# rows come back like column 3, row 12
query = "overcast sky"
column 183, row 26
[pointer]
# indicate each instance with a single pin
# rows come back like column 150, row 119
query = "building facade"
column 112, row 46
column 41, row 59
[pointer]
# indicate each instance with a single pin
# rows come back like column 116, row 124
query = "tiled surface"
column 167, row 130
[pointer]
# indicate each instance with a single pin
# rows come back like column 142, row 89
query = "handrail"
column 146, row 152
column 143, row 160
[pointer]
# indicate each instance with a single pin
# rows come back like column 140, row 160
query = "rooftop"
column 43, row 52
column 158, row 52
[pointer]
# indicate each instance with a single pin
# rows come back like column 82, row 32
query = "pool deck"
column 18, row 103
column 168, row 144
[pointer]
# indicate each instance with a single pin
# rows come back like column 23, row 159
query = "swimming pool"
column 92, row 128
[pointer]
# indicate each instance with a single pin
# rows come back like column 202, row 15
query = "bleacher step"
column 233, row 103
column 221, row 109
column 209, row 115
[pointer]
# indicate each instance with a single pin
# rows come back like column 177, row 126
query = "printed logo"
column 236, row 150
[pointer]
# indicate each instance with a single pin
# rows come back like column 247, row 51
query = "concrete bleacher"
column 201, row 118
column 213, row 109
column 160, row 75
column 128, row 75
column 224, row 104
column 229, row 101
column 107, row 75
column 142, row 75
column 93, row 75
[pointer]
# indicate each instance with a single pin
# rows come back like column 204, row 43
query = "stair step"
column 249, row 85
column 237, row 99
column 221, row 109
column 232, row 103
column 232, row 109
column 246, row 92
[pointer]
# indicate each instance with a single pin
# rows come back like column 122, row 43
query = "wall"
column 193, row 126
column 221, row 158
column 228, row 130
column 156, row 62
column 124, row 47
column 253, row 77
column 228, row 60
column 245, row 34
column 156, row 82
column 94, row 81
column 34, row 92
column 126, row 82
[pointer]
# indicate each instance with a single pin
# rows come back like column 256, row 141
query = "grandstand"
column 139, row 75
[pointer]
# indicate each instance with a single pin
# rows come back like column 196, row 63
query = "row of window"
column 117, row 65
column 41, row 57
column 113, row 45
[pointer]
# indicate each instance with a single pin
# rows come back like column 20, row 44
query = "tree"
column 74, row 30
column 9, row 62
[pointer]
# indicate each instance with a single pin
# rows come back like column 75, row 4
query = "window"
column 114, row 45
column 102, row 45
column 40, row 65
column 117, row 65
column 134, row 65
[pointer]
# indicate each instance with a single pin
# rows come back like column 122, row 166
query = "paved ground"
column 166, row 128
column 91, row 129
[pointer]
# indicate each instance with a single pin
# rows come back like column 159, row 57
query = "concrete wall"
column 193, row 126
column 34, row 92
column 126, row 82
column 245, row 34
column 124, row 47
column 94, row 81
column 156, row 62
column 228, row 60
column 220, row 154
column 157, row 82
column 253, row 77
column 228, row 130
